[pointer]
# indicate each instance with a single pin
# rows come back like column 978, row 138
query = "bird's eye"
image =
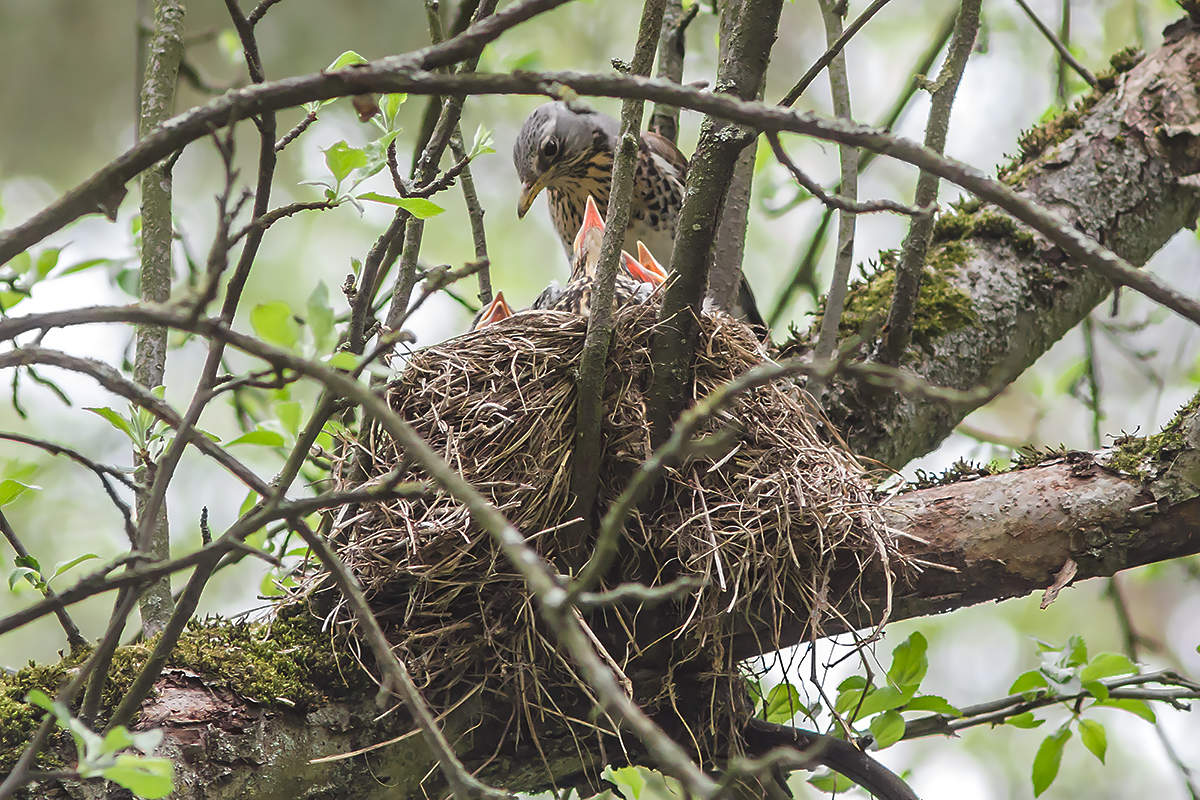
column 549, row 148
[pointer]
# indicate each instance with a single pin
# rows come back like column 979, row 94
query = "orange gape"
column 497, row 310
column 591, row 219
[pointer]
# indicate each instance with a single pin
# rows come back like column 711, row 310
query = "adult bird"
column 568, row 152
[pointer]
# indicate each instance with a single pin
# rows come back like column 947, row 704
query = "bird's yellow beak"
column 529, row 193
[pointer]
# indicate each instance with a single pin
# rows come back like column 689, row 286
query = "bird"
column 636, row 284
column 495, row 311
column 642, row 275
column 567, row 151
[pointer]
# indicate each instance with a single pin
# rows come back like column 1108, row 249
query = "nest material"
column 762, row 524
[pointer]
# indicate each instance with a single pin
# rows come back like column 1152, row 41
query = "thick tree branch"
column 740, row 75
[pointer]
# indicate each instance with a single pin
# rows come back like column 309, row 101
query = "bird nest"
column 767, row 527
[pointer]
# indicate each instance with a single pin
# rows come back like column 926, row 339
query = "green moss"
column 1146, row 456
column 1043, row 136
column 961, row 470
column 960, row 224
column 287, row 661
column 941, row 307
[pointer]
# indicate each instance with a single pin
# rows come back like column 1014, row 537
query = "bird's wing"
column 665, row 148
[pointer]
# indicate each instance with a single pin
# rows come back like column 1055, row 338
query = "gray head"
column 554, row 141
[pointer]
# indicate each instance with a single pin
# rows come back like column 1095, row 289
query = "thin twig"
column 836, row 201
column 804, row 273
column 74, row 637
column 854, row 27
column 1064, row 53
column 164, row 54
column 839, row 87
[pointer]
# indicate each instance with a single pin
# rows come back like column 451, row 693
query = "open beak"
column 635, row 269
column 529, row 193
column 497, row 310
column 591, row 220
column 655, row 274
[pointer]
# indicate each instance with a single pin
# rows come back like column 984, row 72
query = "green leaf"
column 1132, row 705
column 931, row 702
column 783, row 703
column 482, row 143
column 419, row 207
column 626, row 777
column 20, row 263
column 343, row 359
column 1025, row 720
column 9, row 299
column 117, row 740
column 888, row 728
column 909, row 662
column 11, row 489
column 40, row 699
column 116, row 420
column 260, row 436
column 47, row 260
column 28, row 573
column 289, row 412
column 146, row 777
column 344, row 60
column 83, row 265
column 342, row 159
column 881, row 699
column 1048, row 759
column 853, row 682
column 320, row 316
column 833, row 782
column 1028, row 682
column 274, row 323
column 1106, row 665
column 63, row 566
column 390, row 104
column 1075, row 653
column 1094, row 738
column 1096, row 689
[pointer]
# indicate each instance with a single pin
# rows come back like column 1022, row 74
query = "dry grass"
column 760, row 525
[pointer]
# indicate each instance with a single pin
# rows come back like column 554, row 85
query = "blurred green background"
column 67, row 106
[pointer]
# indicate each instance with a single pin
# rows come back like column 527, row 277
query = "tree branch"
column 897, row 332
column 739, row 75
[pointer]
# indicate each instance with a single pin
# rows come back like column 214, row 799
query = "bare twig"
column 1064, row 53
column 804, row 273
column 833, row 49
column 839, row 86
column 898, row 329
column 671, row 48
column 102, row 472
column 475, row 215
column 837, row 201
column 739, row 75
column 74, row 637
